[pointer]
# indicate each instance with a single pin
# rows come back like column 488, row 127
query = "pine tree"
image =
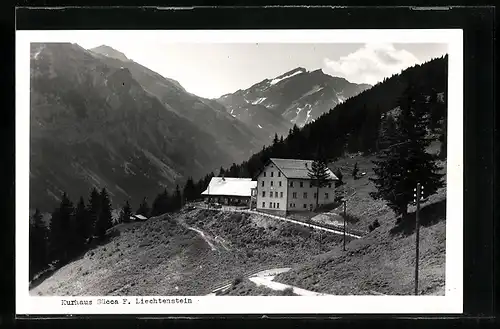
column 177, row 199
column 275, row 139
column 126, row 213
column 143, row 208
column 93, row 211
column 61, row 230
column 161, row 204
column 38, row 244
column 190, row 190
column 104, row 220
column 355, row 171
column 338, row 173
column 83, row 225
column 405, row 162
column 318, row 173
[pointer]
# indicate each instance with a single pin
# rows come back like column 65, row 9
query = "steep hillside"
column 93, row 124
column 208, row 115
column 383, row 261
column 162, row 256
column 295, row 97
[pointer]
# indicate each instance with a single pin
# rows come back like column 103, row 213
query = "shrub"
column 288, row 292
column 375, row 223
column 370, row 227
column 237, row 280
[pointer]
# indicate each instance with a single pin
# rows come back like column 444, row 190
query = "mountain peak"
column 110, row 52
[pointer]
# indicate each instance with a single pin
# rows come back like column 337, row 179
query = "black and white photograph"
column 171, row 170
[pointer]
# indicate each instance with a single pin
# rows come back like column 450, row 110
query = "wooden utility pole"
column 418, row 198
column 344, row 201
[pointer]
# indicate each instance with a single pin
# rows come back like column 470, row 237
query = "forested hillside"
column 360, row 123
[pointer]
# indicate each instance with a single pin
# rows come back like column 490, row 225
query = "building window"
column 326, row 195
column 301, row 184
column 329, row 185
column 291, row 184
column 263, row 194
column 279, row 173
column 264, row 174
column 262, row 183
column 272, row 173
column 271, row 194
column 281, row 194
column 311, row 184
column 278, row 205
column 315, row 194
column 305, row 206
column 294, row 195
column 280, row 183
column 272, row 183
column 291, row 205
column 305, row 195
column 263, row 204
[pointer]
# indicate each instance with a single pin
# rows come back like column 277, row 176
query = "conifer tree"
column 126, row 213
column 143, row 208
column 190, row 190
column 93, row 211
column 318, row 173
column 405, row 162
column 104, row 221
column 275, row 139
column 61, row 230
column 338, row 173
column 83, row 225
column 161, row 204
column 38, row 244
column 177, row 199
column 355, row 171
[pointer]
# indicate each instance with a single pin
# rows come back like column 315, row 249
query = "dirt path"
column 265, row 278
column 335, row 231
column 204, row 237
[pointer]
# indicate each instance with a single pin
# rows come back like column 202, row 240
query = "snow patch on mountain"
column 258, row 101
column 314, row 90
column 276, row 80
column 308, row 115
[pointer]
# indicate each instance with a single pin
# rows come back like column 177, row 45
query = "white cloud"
column 371, row 63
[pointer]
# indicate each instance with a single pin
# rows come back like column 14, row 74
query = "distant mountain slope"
column 209, row 116
column 93, row 124
column 295, row 97
column 358, row 124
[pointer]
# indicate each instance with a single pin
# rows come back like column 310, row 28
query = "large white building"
column 283, row 186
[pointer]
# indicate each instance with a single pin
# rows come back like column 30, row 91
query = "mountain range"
column 99, row 119
column 295, row 97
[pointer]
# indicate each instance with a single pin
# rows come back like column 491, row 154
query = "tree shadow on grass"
column 428, row 216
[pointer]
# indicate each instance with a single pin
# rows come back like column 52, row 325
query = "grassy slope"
column 161, row 257
column 383, row 260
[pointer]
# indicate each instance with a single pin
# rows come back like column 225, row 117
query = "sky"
column 213, row 69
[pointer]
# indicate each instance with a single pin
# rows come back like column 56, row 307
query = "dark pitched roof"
column 294, row 168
